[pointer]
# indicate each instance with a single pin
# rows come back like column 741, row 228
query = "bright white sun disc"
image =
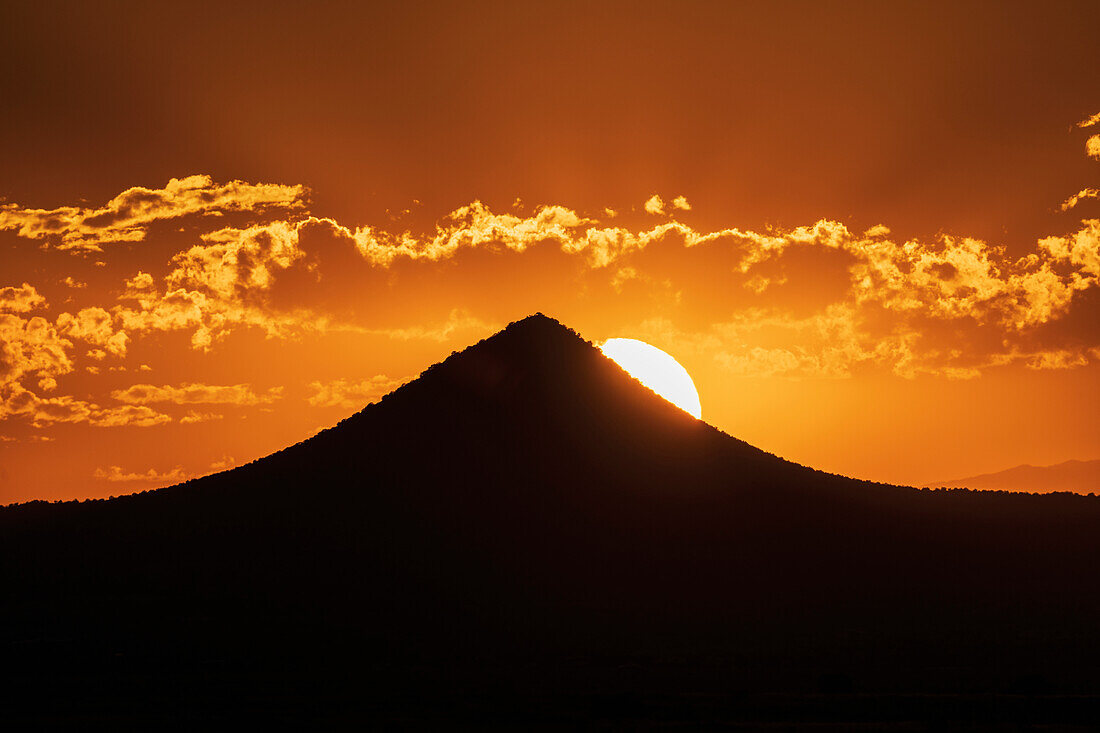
column 656, row 370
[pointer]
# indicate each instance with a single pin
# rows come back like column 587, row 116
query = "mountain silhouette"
column 1079, row 476
column 525, row 534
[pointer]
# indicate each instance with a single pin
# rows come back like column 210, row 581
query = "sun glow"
column 656, row 370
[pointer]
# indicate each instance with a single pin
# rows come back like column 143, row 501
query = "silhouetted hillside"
column 1082, row 477
column 526, row 534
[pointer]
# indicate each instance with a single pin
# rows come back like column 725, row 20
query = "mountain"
column 526, row 535
column 1080, row 476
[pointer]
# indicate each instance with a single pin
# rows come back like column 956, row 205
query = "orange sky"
column 869, row 233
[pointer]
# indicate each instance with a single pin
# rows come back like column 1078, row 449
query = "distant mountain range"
column 524, row 536
column 1082, row 477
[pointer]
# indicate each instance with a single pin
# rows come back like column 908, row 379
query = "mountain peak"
column 534, row 344
column 538, row 323
column 535, row 318
column 538, row 381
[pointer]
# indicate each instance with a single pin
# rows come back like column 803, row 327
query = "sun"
column 656, row 370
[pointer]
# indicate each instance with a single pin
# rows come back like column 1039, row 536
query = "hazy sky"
column 870, row 231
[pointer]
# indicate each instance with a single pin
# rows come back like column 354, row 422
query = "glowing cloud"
column 20, row 300
column 654, row 205
column 127, row 217
column 94, row 325
column 951, row 306
column 346, row 394
column 16, row 401
column 190, row 394
column 115, row 474
column 1084, row 193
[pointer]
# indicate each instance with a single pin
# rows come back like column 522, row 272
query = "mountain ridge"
column 1078, row 476
column 534, row 326
column 522, row 514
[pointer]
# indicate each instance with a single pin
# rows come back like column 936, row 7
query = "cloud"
column 1080, row 252
column 31, row 347
column 147, row 309
column 761, row 342
column 115, row 474
column 20, row 299
column 345, row 393
column 223, row 463
column 656, row 205
column 761, row 362
column 908, row 289
column 94, row 325
column 193, row 417
column 910, row 304
column 220, row 285
column 127, row 416
column 225, row 283
column 195, row 393
column 951, row 307
column 622, row 276
column 15, row 401
column 471, row 226
column 1057, row 359
column 1090, row 121
column 128, row 216
column 475, row 226
column 1084, row 193
column 236, row 262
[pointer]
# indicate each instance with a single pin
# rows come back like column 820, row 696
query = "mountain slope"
column 525, row 514
column 1079, row 476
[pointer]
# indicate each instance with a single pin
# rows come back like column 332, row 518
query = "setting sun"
column 656, row 370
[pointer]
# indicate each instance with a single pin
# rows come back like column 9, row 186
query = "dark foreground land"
column 525, row 537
